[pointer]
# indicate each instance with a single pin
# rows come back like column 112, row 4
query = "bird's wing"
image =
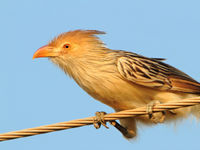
column 153, row 73
column 159, row 59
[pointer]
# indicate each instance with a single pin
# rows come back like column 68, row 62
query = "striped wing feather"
column 153, row 73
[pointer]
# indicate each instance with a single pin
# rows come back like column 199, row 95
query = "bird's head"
column 71, row 44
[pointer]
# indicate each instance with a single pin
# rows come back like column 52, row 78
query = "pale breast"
column 122, row 95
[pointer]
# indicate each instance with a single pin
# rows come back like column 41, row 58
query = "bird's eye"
column 66, row 46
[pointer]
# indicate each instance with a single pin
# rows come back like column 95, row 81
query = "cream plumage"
column 120, row 79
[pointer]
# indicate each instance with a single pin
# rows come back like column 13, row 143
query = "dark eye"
column 66, row 46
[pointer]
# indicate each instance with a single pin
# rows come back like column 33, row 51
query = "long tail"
column 195, row 110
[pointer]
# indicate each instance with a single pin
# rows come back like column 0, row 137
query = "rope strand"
column 90, row 120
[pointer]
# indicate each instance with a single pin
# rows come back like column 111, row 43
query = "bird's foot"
column 157, row 117
column 172, row 112
column 99, row 120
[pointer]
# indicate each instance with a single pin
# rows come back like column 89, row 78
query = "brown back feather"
column 153, row 73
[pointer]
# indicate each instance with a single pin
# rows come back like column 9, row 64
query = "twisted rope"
column 90, row 120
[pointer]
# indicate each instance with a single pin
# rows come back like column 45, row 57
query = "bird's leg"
column 99, row 120
column 157, row 117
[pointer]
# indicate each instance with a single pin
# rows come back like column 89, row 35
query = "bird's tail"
column 195, row 110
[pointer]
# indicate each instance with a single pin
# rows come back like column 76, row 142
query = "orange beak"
column 45, row 51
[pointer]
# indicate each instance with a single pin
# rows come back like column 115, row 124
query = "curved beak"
column 45, row 51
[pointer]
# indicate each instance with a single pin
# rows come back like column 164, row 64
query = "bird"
column 121, row 79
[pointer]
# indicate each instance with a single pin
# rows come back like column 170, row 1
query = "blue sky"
column 36, row 92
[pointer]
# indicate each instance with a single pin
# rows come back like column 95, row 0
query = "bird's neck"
column 88, row 70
